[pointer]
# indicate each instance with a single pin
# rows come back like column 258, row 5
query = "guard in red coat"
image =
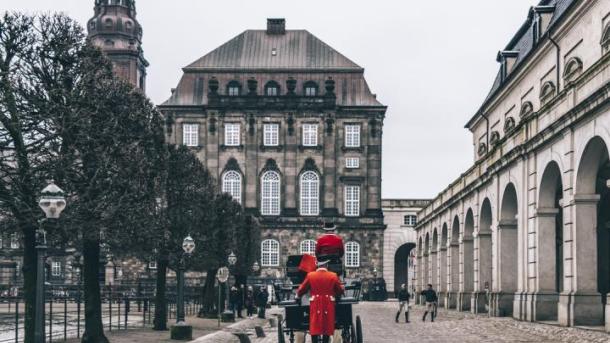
column 324, row 287
column 330, row 244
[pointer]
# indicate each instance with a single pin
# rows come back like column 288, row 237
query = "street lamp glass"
column 52, row 201
column 232, row 259
column 188, row 245
column 256, row 267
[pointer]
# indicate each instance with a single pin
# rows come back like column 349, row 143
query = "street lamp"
column 256, row 267
column 228, row 315
column 52, row 202
column 181, row 331
column 232, row 259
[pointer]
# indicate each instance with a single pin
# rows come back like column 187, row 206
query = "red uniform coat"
column 330, row 244
column 308, row 264
column 324, row 287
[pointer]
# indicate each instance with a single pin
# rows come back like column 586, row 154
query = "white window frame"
column 352, row 200
column 232, row 134
column 15, row 241
column 270, row 253
column 56, row 268
column 352, row 136
column 190, row 134
column 310, row 193
column 308, row 247
column 272, row 91
column 271, row 134
column 311, row 91
column 352, row 162
column 231, row 184
column 352, row 255
column 152, row 265
column 410, row 220
column 271, row 184
column 310, row 134
column 233, row 90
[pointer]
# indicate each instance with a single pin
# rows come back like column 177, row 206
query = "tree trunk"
column 160, row 322
column 94, row 328
column 29, row 280
column 210, row 297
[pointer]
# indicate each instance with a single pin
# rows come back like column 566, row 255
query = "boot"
column 432, row 315
column 397, row 315
column 406, row 317
column 425, row 314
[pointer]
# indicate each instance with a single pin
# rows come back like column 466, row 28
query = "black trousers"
column 316, row 339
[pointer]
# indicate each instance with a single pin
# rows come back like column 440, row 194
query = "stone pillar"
column 373, row 161
column 453, row 258
column 504, row 290
column 426, row 274
column 442, row 286
column 466, row 275
column 290, row 173
column 580, row 303
column 252, row 168
column 434, row 268
column 482, row 273
column 419, row 276
column 328, row 134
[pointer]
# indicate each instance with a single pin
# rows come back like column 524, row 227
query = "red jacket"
column 330, row 244
column 324, row 287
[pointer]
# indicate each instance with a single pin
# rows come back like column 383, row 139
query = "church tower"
column 116, row 31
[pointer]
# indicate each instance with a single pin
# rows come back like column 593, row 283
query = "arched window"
column 352, row 255
column 310, row 88
column 233, row 88
column 270, row 253
column 526, row 109
column 606, row 37
column 272, row 88
column 310, row 194
column 308, row 247
column 231, row 184
column 547, row 92
column 270, row 194
column 572, row 69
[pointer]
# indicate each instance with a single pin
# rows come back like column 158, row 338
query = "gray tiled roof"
column 295, row 50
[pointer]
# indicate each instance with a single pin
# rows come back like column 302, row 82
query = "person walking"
column 403, row 301
column 431, row 299
column 233, row 299
column 250, row 302
column 261, row 301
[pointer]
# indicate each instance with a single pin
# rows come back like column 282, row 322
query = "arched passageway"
column 467, row 263
column 453, row 258
column 401, row 266
column 506, row 277
column 483, row 260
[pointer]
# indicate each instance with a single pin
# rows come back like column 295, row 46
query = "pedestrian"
column 250, row 302
column 403, row 301
column 233, row 299
column 431, row 299
column 261, row 301
column 240, row 301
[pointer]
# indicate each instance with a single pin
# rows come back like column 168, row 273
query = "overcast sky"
column 431, row 62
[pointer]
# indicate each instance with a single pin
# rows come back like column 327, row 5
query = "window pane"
column 233, row 91
column 270, row 253
column 352, row 136
column 352, row 162
column 272, row 91
column 231, row 184
column 310, row 194
column 232, row 134
column 352, row 255
column 308, row 247
column 352, row 201
column 310, row 135
column 270, row 194
column 271, row 135
column 190, row 134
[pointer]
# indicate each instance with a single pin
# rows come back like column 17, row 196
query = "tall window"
column 311, row 88
column 352, row 255
column 271, row 134
column 352, row 201
column 310, row 135
column 352, row 136
column 232, row 134
column 231, row 184
column 308, row 247
column 190, row 134
column 56, row 268
column 410, row 220
column 270, row 194
column 310, row 194
column 270, row 253
column 14, row 241
column 233, row 88
column 272, row 89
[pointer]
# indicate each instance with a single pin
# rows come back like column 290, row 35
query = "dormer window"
column 526, row 109
column 272, row 88
column 547, row 92
column 311, row 88
column 233, row 88
column 572, row 69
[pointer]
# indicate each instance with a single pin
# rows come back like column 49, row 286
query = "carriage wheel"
column 359, row 338
column 280, row 333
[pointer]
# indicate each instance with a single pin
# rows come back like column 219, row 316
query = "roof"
column 523, row 42
column 296, row 49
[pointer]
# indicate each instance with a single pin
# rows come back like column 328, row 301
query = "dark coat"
column 262, row 298
column 403, row 295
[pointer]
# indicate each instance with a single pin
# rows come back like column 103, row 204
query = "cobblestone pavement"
column 451, row 326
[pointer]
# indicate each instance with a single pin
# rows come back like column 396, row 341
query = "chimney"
column 276, row 26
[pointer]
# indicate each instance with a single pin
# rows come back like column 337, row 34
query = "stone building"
column 399, row 240
column 291, row 130
column 530, row 220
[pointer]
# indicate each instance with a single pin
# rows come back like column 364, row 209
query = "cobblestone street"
column 451, row 326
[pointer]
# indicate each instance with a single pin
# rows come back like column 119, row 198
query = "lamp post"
column 52, row 202
column 181, row 331
column 228, row 315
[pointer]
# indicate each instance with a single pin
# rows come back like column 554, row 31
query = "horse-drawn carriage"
column 296, row 313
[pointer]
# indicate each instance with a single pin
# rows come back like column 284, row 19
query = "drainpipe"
column 558, row 56
column 487, row 121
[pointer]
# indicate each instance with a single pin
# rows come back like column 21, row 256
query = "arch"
column 453, row 252
column 573, row 68
column 467, row 262
column 352, row 254
column 485, row 217
column 547, row 91
column 310, row 193
column 455, row 230
column 403, row 265
column 507, row 238
column 231, row 184
column 270, row 253
column 270, row 193
column 442, row 287
column 526, row 109
column 272, row 88
column 434, row 259
column 483, row 256
column 310, row 88
column 444, row 237
column 426, row 273
column 308, row 247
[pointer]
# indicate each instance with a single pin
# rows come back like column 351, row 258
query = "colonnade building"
column 525, row 232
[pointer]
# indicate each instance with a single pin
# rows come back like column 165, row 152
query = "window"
column 526, row 109
column 308, row 247
column 352, row 136
column 152, row 265
column 572, row 69
column 56, row 268
column 410, row 220
column 232, row 135
column 271, row 134
column 310, row 88
column 310, row 194
column 310, row 135
column 14, row 241
column 352, row 201
column 231, row 184
column 352, row 162
column 352, row 255
column 233, row 88
column 270, row 253
column 190, row 134
column 547, row 92
column 272, row 89
column 270, row 194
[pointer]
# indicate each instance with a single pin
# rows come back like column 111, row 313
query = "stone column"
column 419, row 276
column 453, row 260
column 373, row 161
column 434, row 268
column 580, row 303
column 290, row 173
column 466, row 274
column 426, row 274
column 328, row 134
column 482, row 276
column 442, row 285
column 505, row 284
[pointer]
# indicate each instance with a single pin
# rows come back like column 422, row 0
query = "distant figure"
column 261, row 301
column 234, row 300
column 250, row 302
column 329, row 244
column 431, row 300
column 403, row 301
